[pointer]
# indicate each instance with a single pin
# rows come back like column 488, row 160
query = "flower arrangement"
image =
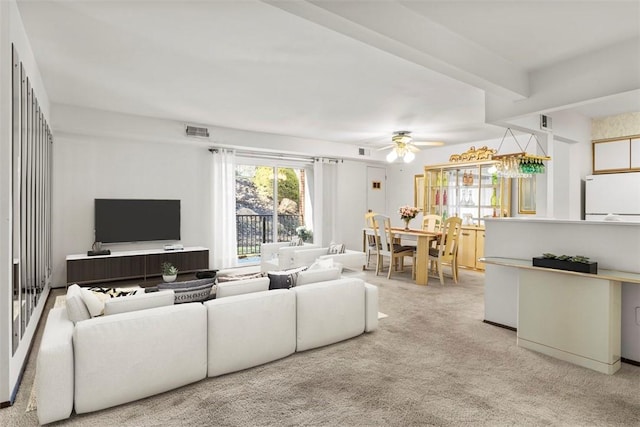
column 304, row 233
column 408, row 212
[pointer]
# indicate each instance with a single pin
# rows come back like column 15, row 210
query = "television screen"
column 128, row 220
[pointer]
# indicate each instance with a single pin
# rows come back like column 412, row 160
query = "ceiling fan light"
column 392, row 156
column 409, row 156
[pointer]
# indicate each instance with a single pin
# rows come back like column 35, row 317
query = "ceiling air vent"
column 197, row 131
column 364, row 151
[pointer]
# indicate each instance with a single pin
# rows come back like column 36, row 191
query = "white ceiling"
column 331, row 71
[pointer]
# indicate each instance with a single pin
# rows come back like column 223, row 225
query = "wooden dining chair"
column 447, row 250
column 431, row 222
column 386, row 246
column 372, row 247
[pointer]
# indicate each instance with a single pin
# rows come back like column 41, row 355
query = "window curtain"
column 223, row 239
column 325, row 205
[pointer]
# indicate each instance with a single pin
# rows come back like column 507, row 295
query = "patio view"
column 269, row 206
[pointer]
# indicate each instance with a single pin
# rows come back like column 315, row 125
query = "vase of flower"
column 407, row 213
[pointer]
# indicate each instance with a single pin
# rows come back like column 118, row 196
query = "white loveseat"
column 277, row 256
column 352, row 260
column 109, row 360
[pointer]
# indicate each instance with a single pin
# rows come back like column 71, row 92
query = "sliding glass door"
column 271, row 203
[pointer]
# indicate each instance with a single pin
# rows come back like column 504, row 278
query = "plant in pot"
column 169, row 272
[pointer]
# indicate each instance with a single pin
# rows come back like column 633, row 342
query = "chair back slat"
column 449, row 238
column 431, row 222
column 382, row 227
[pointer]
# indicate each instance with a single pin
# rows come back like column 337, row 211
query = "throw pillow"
column 284, row 279
column 114, row 292
column 236, row 277
column 336, row 249
column 76, row 308
column 190, row 291
column 206, row 274
column 94, row 304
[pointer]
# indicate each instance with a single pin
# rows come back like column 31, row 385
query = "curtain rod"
column 275, row 156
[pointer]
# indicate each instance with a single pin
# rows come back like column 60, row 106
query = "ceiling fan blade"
column 386, row 147
column 413, row 148
column 428, row 143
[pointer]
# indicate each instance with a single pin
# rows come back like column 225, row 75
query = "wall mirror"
column 527, row 196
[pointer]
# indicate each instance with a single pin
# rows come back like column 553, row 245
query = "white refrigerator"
column 613, row 196
column 616, row 197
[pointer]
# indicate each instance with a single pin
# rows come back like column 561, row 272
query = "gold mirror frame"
column 418, row 192
column 527, row 196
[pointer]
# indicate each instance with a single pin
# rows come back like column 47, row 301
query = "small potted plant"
column 577, row 263
column 305, row 234
column 169, row 272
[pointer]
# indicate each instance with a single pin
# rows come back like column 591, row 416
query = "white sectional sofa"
column 113, row 359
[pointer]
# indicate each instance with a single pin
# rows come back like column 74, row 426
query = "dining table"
column 423, row 238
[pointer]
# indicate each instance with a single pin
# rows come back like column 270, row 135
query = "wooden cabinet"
column 471, row 247
column 467, row 248
column 471, row 191
column 616, row 155
column 479, row 248
column 86, row 270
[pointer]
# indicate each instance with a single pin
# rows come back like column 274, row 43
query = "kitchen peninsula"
column 614, row 245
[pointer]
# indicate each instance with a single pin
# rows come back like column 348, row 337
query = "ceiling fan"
column 404, row 147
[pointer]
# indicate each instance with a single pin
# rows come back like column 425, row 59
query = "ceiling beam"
column 397, row 30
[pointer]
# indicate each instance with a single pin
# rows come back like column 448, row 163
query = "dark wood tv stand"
column 132, row 265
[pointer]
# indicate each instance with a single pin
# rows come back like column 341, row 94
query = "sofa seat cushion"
column 328, row 312
column 318, row 275
column 138, row 302
column 239, row 287
column 129, row 356
column 249, row 330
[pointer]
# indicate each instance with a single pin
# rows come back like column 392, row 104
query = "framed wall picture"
column 527, row 196
column 418, row 192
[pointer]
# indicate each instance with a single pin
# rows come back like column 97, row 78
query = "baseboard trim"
column 629, row 361
column 511, row 328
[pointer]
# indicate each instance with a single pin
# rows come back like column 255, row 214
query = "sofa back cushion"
column 328, row 312
column 249, row 330
column 133, row 355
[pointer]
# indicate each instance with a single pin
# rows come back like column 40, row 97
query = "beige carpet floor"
column 432, row 362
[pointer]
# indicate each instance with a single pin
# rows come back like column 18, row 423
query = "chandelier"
column 520, row 164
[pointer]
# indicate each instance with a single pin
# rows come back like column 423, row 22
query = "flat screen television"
column 136, row 220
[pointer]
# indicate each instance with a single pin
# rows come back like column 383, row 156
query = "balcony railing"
column 253, row 230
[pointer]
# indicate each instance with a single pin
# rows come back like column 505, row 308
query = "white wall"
column 100, row 154
column 351, row 203
column 87, row 168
